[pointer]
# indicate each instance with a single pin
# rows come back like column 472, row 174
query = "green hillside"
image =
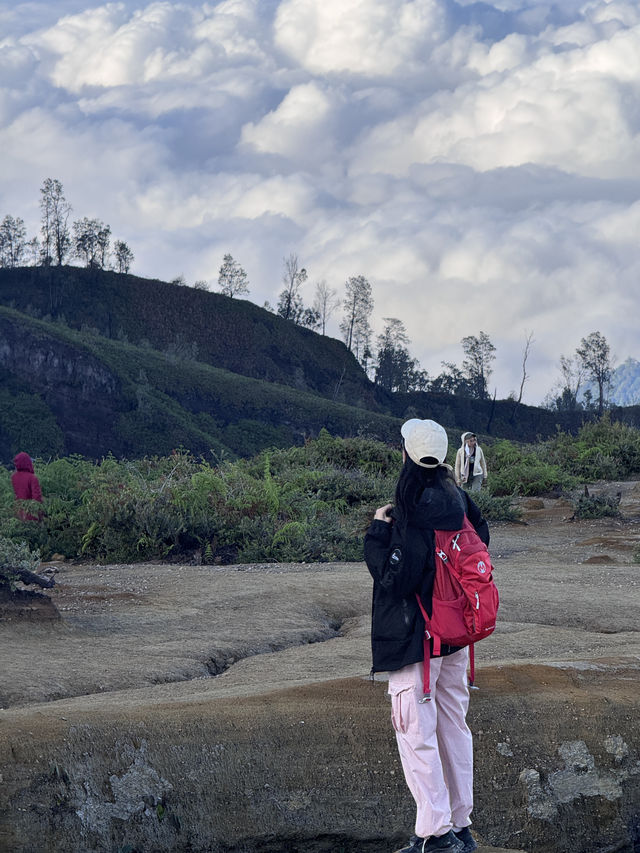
column 65, row 391
column 207, row 327
column 95, row 362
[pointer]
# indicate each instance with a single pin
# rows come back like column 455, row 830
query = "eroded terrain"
column 229, row 708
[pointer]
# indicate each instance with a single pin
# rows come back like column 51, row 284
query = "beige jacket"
column 479, row 468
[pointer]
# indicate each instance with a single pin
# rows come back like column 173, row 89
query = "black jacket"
column 401, row 563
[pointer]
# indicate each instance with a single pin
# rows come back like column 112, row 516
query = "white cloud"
column 300, row 128
column 477, row 162
column 376, row 38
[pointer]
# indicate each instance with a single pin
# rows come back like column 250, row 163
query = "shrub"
column 520, row 470
column 597, row 506
column 496, row 508
column 14, row 555
column 602, row 451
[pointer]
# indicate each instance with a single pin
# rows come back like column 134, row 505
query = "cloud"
column 375, row 38
column 477, row 161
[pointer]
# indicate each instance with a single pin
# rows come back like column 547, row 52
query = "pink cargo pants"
column 435, row 743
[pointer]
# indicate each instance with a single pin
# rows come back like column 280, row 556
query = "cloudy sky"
column 478, row 162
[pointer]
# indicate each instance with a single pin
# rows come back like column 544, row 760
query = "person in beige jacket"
column 471, row 467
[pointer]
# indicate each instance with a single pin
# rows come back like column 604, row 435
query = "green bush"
column 597, row 506
column 496, row 508
column 602, row 451
column 515, row 470
column 15, row 555
column 311, row 503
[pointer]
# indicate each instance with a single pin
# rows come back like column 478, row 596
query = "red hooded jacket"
column 26, row 486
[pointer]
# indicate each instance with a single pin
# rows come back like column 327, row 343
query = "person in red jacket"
column 26, row 486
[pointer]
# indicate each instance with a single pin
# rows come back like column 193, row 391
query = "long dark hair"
column 413, row 480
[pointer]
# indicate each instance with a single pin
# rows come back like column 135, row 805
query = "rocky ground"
column 198, row 708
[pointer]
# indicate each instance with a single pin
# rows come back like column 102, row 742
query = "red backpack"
column 465, row 598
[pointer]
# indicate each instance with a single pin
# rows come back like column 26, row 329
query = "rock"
column 22, row 605
column 533, row 503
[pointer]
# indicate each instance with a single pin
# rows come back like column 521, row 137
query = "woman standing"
column 434, row 741
column 471, row 467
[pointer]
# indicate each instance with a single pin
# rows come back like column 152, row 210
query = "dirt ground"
column 569, row 591
column 167, row 650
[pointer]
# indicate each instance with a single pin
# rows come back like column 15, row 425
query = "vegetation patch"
column 308, row 503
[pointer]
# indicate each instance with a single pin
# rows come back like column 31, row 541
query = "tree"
column 325, row 303
column 56, row 241
column 476, row 368
column 232, row 278
column 525, row 355
column 91, row 239
column 13, row 235
column 123, row 256
column 450, row 381
column 358, row 305
column 395, row 369
column 290, row 305
column 32, row 252
column 595, row 357
column 310, row 318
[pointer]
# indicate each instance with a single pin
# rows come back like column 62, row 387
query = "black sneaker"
column 415, row 845
column 434, row 843
column 467, row 839
column 447, row 842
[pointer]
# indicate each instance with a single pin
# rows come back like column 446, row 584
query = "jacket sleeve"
column 34, row 488
column 458, row 468
column 483, row 464
column 477, row 519
column 397, row 569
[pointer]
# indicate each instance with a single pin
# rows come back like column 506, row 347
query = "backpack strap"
column 426, row 659
column 472, row 668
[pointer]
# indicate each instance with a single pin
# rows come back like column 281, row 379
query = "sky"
column 477, row 162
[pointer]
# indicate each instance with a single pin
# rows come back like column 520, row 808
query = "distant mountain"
column 625, row 384
column 624, row 387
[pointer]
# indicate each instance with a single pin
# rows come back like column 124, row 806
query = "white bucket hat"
column 425, row 442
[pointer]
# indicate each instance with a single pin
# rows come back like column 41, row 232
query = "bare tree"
column 13, row 235
column 56, row 240
column 232, row 278
column 91, row 242
column 290, row 305
column 358, row 305
column 525, row 355
column 123, row 256
column 325, row 303
column 595, row 357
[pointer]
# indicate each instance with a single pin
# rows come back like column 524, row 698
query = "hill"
column 189, row 323
column 96, row 362
column 65, row 391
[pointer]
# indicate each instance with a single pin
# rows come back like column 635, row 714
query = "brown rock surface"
column 114, row 735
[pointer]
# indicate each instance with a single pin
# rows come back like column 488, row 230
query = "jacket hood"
column 440, row 509
column 23, row 462
column 464, row 436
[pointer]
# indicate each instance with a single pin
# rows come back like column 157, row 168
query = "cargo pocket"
column 402, row 708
